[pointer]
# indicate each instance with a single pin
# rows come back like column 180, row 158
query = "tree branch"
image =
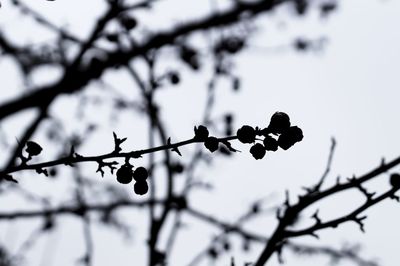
column 75, row 79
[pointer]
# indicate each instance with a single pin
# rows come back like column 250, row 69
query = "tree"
column 118, row 45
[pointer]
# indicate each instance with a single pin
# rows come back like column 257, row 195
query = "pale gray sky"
column 349, row 91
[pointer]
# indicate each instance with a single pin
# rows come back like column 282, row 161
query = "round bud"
column 279, row 123
column 226, row 245
column 112, row 37
column 53, row 172
column 141, row 187
column 174, row 78
column 201, row 133
column 285, row 141
column 290, row 137
column 270, row 143
column 246, row 134
column 211, row 143
column 296, row 133
column 234, row 44
column 301, row 44
column 124, row 174
column 32, row 148
column 128, row 22
column 258, row 151
column 395, row 180
column 177, row 168
column 140, row 174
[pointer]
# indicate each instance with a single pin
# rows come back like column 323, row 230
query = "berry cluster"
column 279, row 133
column 125, row 175
column 201, row 134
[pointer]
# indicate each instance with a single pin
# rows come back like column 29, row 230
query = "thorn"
column 313, row 234
column 229, row 146
column 359, row 221
column 278, row 214
column 316, row 217
column 9, row 178
column 287, row 203
column 396, row 198
column 177, row 151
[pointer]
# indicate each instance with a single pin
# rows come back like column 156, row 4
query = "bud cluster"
column 201, row 134
column 125, row 175
column 279, row 133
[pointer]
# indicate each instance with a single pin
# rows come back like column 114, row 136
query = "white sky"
column 349, row 91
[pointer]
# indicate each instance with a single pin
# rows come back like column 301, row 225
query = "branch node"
column 360, row 222
column 117, row 143
column 316, row 217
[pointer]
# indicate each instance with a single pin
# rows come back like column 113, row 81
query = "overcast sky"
column 349, row 91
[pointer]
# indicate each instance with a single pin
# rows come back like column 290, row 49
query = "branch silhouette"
column 75, row 79
column 169, row 200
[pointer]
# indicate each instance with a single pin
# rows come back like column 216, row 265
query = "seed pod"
column 201, row 133
column 211, row 143
column 258, row 151
column 32, row 148
column 285, row 141
column 395, row 180
column 140, row 174
column 270, row 143
column 125, row 174
column 246, row 134
column 141, row 187
column 279, row 123
column 296, row 133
